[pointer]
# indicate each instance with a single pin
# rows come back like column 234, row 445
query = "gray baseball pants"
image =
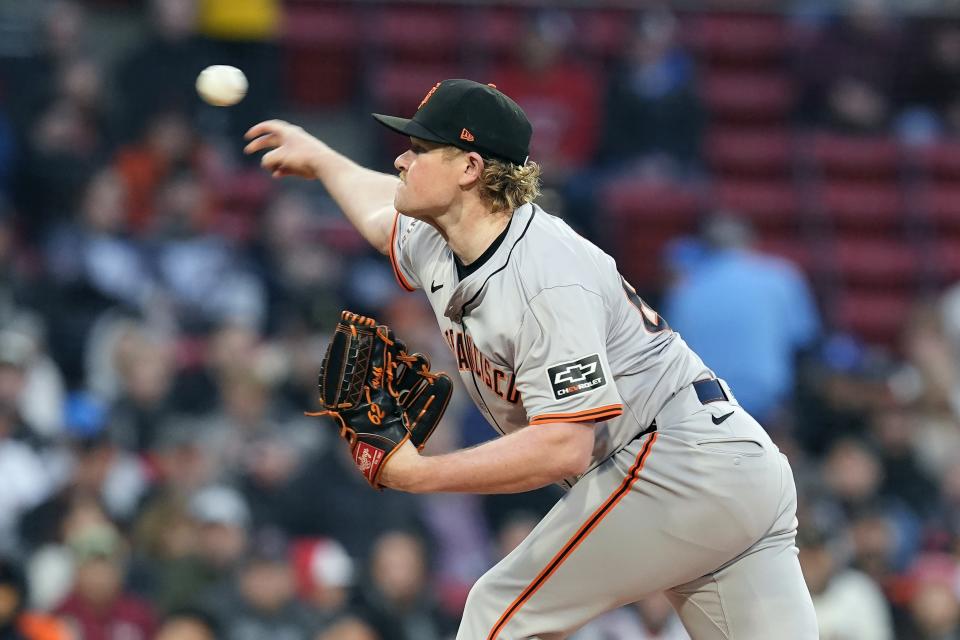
column 705, row 512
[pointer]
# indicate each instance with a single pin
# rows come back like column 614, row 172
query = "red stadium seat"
column 875, row 316
column 879, row 262
column 314, row 26
column 748, row 97
column 791, row 248
column 319, row 49
column 939, row 160
column 941, row 205
column 945, row 260
column 637, row 202
column 642, row 216
column 852, row 156
column 767, row 204
column 415, row 32
column 401, row 86
column 862, row 205
column 749, row 152
column 739, row 39
column 495, row 32
column 604, row 33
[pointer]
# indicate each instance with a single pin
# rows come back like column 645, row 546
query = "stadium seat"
column 767, row 204
column 408, row 33
column 940, row 203
column 875, row 316
column 834, row 155
column 493, row 32
column 879, row 262
column 401, row 86
column 641, row 217
column 604, row 33
column 739, row 151
column 940, row 160
column 862, row 205
column 633, row 201
column 748, row 97
column 736, row 39
column 945, row 261
column 792, row 248
column 319, row 51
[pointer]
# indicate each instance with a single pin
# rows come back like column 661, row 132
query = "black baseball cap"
column 469, row 115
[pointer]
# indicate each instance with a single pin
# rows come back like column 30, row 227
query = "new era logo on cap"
column 469, row 115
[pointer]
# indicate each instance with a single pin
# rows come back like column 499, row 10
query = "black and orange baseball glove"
column 378, row 394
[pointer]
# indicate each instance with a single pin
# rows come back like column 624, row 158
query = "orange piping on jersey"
column 575, row 541
column 393, row 256
column 597, row 413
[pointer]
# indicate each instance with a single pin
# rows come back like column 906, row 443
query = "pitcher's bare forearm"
column 364, row 196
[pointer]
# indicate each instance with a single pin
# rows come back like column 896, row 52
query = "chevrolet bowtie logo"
column 575, row 373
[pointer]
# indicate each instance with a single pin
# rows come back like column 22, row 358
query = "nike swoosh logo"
column 717, row 420
column 435, row 287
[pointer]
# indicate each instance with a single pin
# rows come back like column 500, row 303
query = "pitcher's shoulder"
column 556, row 254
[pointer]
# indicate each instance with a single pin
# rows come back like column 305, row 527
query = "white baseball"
column 222, row 85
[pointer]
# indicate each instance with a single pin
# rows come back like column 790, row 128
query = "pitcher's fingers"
column 263, row 142
column 267, row 126
column 271, row 160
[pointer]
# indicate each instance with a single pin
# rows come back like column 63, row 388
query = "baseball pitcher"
column 671, row 486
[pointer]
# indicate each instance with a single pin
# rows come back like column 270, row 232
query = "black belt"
column 707, row 391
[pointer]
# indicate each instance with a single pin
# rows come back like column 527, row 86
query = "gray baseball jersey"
column 548, row 331
column 703, row 507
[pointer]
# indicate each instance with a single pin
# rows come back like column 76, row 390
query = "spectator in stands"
column 262, row 603
column 852, row 75
column 350, row 629
column 932, row 89
column 204, row 275
column 60, row 155
column 174, row 53
column 299, row 270
column 26, row 480
column 398, row 596
column 188, row 624
column 97, row 472
column 904, row 478
column 30, row 81
column 197, row 559
column 747, row 314
column 169, row 145
column 99, row 607
column 559, row 94
column 93, row 262
column 933, row 606
column 325, row 579
column 848, row 603
column 145, row 370
column 29, row 381
column 17, row 622
column 352, row 514
column 653, row 118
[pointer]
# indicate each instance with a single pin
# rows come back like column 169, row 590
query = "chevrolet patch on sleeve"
column 570, row 378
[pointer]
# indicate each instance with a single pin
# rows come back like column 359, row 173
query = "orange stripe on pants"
column 575, row 541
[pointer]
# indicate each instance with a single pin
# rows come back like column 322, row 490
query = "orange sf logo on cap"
column 429, row 95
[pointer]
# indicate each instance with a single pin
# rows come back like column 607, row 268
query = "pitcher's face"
column 429, row 179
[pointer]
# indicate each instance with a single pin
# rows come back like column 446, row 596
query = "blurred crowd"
column 164, row 307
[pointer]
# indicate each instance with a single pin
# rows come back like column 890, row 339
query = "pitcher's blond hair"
column 507, row 186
